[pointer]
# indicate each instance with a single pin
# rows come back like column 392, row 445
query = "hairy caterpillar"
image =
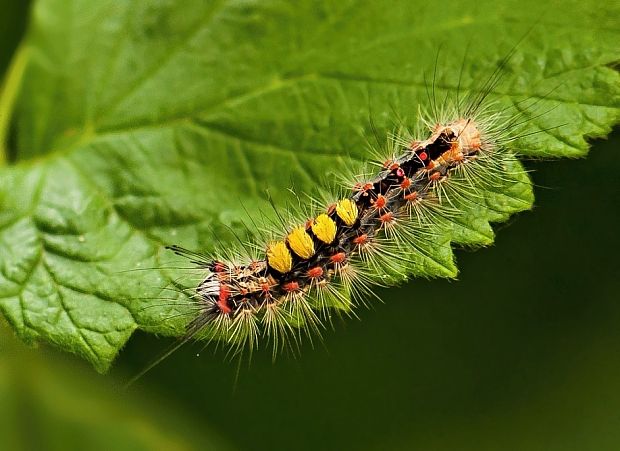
column 377, row 231
column 331, row 258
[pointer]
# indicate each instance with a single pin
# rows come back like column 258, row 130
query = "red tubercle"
column 435, row 176
column 380, row 202
column 224, row 292
column 338, row 257
column 315, row 272
column 411, row 196
column 362, row 239
column 363, row 187
column 222, row 301
column 405, row 183
column 399, row 172
column 387, row 217
column 423, row 156
column 219, row 266
column 291, row 287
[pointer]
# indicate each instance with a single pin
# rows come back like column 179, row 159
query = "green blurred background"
column 440, row 366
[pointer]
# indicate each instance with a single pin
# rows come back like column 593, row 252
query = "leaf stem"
column 8, row 94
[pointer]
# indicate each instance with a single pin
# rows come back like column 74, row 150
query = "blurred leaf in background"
column 51, row 403
column 12, row 25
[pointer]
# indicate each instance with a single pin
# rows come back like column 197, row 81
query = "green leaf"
column 139, row 124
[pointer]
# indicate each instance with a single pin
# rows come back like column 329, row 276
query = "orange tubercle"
column 380, row 201
column 387, row 217
column 411, row 196
column 291, row 286
column 338, row 258
column 315, row 273
column 362, row 239
column 435, row 176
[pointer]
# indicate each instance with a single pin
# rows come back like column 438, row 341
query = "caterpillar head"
column 463, row 134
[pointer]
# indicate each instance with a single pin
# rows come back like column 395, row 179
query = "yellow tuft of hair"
column 346, row 210
column 279, row 257
column 301, row 243
column 324, row 228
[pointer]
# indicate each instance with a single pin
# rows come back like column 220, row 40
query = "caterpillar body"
column 329, row 260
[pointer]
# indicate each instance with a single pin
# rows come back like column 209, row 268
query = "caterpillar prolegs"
column 329, row 259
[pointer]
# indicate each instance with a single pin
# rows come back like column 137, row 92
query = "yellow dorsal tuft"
column 346, row 210
column 324, row 228
column 279, row 257
column 301, row 243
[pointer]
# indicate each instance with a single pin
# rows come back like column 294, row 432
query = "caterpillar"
column 327, row 260
column 320, row 262
column 376, row 230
